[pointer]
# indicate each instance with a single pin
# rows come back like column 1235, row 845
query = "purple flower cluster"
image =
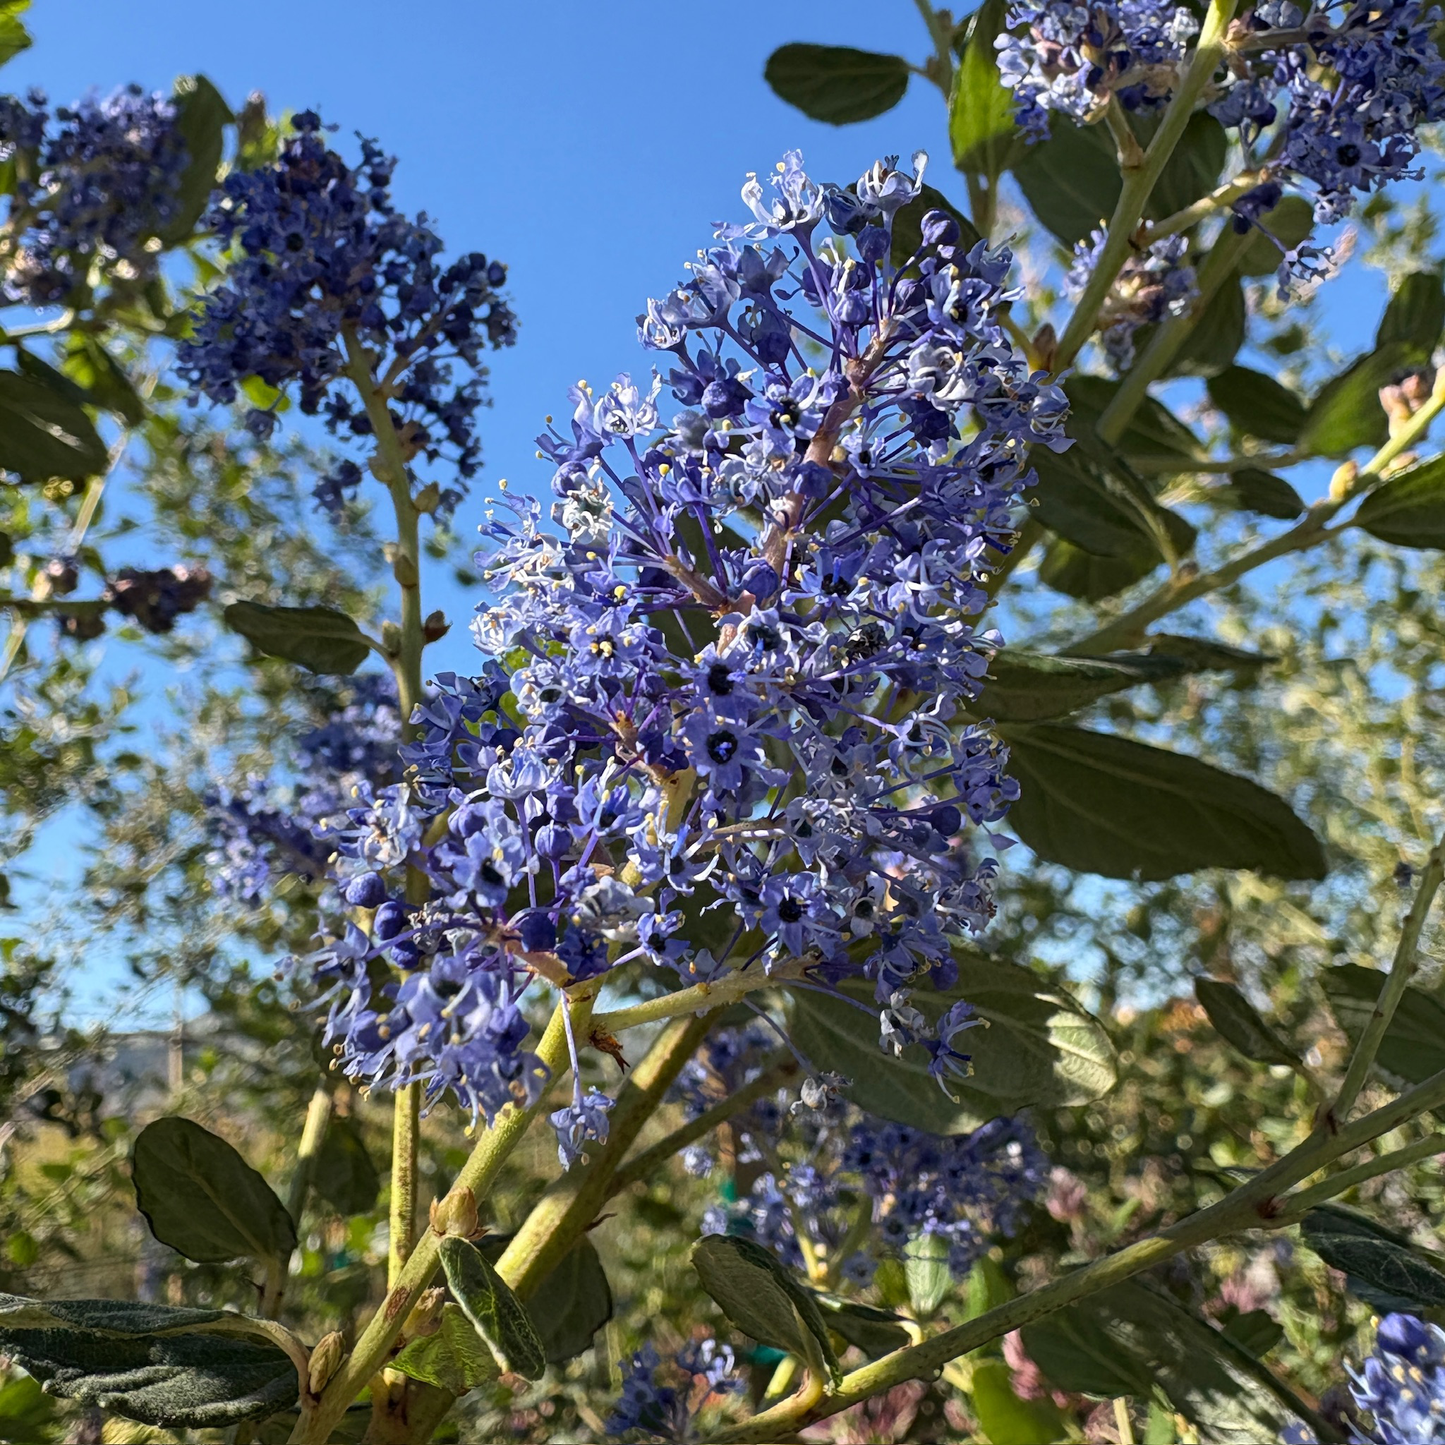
column 732, row 693
column 1153, row 284
column 1402, row 1385
column 94, row 186
column 324, row 272
column 662, row 1411
column 1072, row 57
column 1354, row 82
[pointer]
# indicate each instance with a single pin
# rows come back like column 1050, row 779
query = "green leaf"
column 453, row 1359
column 1252, row 490
column 1040, row 1047
column 1071, row 181
column 152, row 1363
column 763, row 1300
column 1216, row 336
column 1346, row 413
column 570, row 1303
column 1414, row 318
column 201, row 1197
column 1007, row 1420
column 1193, row 168
column 1385, row 1269
column 1079, row 573
column 925, row 1267
column 1238, row 1022
column 1108, row 805
column 319, row 639
column 43, row 435
column 908, row 224
column 27, row 1413
column 495, row 1312
column 344, row 1175
column 57, row 381
column 874, row 1331
column 1153, row 429
column 1132, row 1339
column 836, row 83
column 1258, row 405
column 1414, row 1044
column 1409, row 509
column 202, row 116
column 102, row 377
column 1253, row 1331
column 14, row 37
column 981, row 112
column 1291, row 221
column 1034, row 686
column 1204, row 654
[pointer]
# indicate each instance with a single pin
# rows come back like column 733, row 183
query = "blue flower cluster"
column 1073, row 57
column 661, row 1411
column 733, row 693
column 323, row 267
column 1355, row 83
column 966, row 1189
column 94, row 186
column 266, row 828
column 1402, row 1385
column 1152, row 284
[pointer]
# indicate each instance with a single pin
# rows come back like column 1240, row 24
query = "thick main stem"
column 1139, row 181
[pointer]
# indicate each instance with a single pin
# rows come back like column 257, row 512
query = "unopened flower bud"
column 324, row 1361
column 435, row 627
column 456, row 1214
column 427, row 499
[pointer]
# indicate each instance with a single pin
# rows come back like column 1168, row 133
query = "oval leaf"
column 44, row 435
column 836, row 83
column 320, row 639
column 454, row 1359
column 495, row 1312
column 344, row 1175
column 1033, row 686
column 1123, row 809
column 763, row 1300
column 1258, row 405
column 1239, row 1023
column 1415, row 316
column 925, row 1267
column 1409, row 509
column 1414, row 1045
column 147, row 1362
column 1071, row 181
column 1384, row 1268
column 570, row 1303
column 1216, row 335
column 1040, row 1047
column 1346, row 413
column 981, row 112
column 1252, row 490
column 202, row 116
column 874, row 1331
column 1004, row 1418
column 201, row 1197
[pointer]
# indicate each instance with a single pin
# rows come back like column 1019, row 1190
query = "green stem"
column 942, row 38
column 642, row 1164
column 1253, row 1205
column 1301, row 1203
column 1171, row 463
column 478, row 1175
column 726, row 990
column 1402, row 970
column 1217, row 200
column 313, row 1136
column 1139, row 182
column 1129, row 629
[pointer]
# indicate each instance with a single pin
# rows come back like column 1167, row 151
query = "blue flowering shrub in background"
column 698, row 902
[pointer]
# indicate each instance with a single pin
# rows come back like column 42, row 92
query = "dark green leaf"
column 1132, row 1340
column 27, row 1413
column 201, row 1197
column 1240, row 1024
column 874, row 1331
column 344, row 1175
column 1035, row 686
column 320, row 639
column 1071, row 181
column 1384, row 1268
column 1153, row 429
column 1258, row 405
column 1216, row 336
column 1204, row 654
column 1409, row 509
column 1004, row 1418
column 1414, row 318
column 1414, row 1045
column 147, row 1362
column 454, row 1359
column 836, row 83
column 1123, row 809
column 202, row 116
column 570, row 1304
column 1252, row 490
column 497, row 1314
column 1193, row 168
column 102, row 377
column 925, row 1267
column 1077, row 573
column 908, row 224
column 57, row 381
column 43, row 435
column 1346, row 413
column 1290, row 221
column 981, row 113
column 14, row 37
column 763, row 1300
column 1253, row 1331
column 1040, row 1047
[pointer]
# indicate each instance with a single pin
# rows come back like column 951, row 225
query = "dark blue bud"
column 366, row 891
